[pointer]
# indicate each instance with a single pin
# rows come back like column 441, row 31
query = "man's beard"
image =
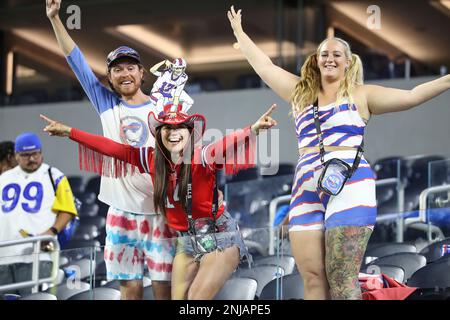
column 136, row 88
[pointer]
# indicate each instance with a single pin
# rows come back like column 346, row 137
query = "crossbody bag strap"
column 189, row 200
column 319, row 132
column 215, row 204
column 358, row 157
column 359, row 152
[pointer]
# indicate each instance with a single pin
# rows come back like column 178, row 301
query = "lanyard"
column 359, row 152
column 215, row 206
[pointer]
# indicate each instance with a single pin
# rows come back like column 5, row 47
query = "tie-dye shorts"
column 135, row 240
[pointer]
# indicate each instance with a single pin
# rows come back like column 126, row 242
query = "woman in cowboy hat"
column 210, row 245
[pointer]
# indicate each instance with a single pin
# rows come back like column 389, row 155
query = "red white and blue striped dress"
column 355, row 205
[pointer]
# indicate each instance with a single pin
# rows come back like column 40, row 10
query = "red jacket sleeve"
column 235, row 152
column 94, row 148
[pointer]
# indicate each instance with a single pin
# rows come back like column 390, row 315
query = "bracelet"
column 54, row 230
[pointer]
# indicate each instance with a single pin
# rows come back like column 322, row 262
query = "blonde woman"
column 329, row 233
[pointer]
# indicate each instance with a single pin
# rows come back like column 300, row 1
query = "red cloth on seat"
column 382, row 287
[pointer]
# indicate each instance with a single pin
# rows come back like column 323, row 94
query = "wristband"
column 54, row 230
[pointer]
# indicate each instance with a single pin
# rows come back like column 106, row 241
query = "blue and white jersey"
column 123, row 123
column 28, row 202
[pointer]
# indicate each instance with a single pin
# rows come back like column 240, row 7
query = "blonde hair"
column 307, row 89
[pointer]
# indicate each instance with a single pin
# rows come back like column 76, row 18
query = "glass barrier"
column 259, row 207
column 50, row 274
column 248, row 201
column 424, row 219
column 250, row 273
column 390, row 206
column 437, row 199
column 92, row 273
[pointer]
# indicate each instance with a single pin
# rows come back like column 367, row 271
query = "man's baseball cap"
column 27, row 141
column 122, row 52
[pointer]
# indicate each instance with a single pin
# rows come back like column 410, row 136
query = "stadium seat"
column 238, row 289
column 85, row 232
column 418, row 166
column 387, row 200
column 283, row 169
column 387, row 167
column 59, row 277
column 76, row 184
column 244, row 175
column 410, row 262
column 286, row 262
column 148, row 293
column 100, row 270
column 87, row 197
column 418, row 178
column 97, row 294
column 394, row 272
column 66, row 290
column 85, row 267
column 88, row 210
column 385, row 249
column 193, row 87
column 206, row 83
column 210, row 84
column 115, row 284
column 434, row 275
column 433, row 251
column 39, row 296
column 68, row 94
column 98, row 222
column 30, row 97
column 93, row 185
column 103, row 209
column 444, row 258
column 290, row 287
column 386, row 193
column 262, row 275
column 376, row 65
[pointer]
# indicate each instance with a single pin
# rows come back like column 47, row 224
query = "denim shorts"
column 228, row 235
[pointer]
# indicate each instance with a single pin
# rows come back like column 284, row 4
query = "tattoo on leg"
column 345, row 247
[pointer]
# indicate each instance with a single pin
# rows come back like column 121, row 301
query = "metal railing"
column 383, row 182
column 421, row 222
column 35, row 281
column 272, row 211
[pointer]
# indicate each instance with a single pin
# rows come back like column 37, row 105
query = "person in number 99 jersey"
column 30, row 206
